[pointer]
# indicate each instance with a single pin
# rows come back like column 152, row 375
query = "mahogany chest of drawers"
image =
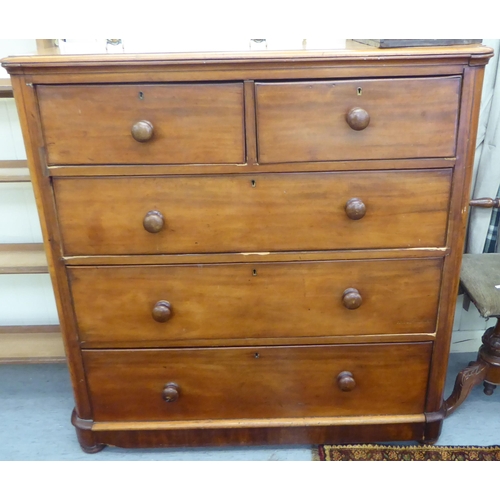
column 254, row 248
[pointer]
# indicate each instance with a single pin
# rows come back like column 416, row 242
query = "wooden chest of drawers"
column 254, row 248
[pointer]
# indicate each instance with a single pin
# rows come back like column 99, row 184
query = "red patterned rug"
column 368, row 452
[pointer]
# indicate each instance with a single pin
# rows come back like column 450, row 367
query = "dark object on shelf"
column 413, row 42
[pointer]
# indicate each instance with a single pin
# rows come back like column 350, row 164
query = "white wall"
column 25, row 299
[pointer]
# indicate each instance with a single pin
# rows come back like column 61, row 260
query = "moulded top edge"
column 352, row 51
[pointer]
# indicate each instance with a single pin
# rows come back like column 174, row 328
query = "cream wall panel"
column 11, row 139
column 19, row 222
column 27, row 299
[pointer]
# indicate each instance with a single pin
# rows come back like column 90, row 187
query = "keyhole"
column 141, row 95
column 253, row 183
column 254, row 272
column 257, row 355
column 360, row 91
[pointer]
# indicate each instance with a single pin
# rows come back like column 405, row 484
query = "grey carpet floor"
column 36, row 403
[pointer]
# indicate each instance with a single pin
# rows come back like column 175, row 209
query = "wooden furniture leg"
column 486, row 369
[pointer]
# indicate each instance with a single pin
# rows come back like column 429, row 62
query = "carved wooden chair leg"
column 466, row 380
column 486, row 369
column 489, row 388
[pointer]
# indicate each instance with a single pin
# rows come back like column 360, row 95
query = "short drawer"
column 259, row 213
column 155, row 305
column 318, row 381
column 357, row 119
column 190, row 123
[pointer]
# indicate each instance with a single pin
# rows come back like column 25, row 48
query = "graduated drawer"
column 191, row 123
column 258, row 382
column 308, row 121
column 245, row 213
column 118, row 306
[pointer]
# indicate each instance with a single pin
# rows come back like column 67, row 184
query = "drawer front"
column 115, row 305
column 92, row 124
column 257, row 382
column 308, row 121
column 241, row 213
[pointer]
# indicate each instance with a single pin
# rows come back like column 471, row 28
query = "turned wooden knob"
column 485, row 203
column 352, row 298
column 142, row 131
column 355, row 209
column 346, row 381
column 162, row 311
column 358, row 118
column 170, row 392
column 153, row 221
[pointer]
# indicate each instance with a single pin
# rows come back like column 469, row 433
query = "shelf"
column 6, row 88
column 31, row 344
column 14, row 171
column 23, row 258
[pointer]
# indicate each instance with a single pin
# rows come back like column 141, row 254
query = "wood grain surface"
column 257, row 300
column 200, row 123
column 257, row 382
column 259, row 213
column 306, row 121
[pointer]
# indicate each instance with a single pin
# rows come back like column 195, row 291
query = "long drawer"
column 357, row 119
column 142, row 124
column 245, row 213
column 218, row 383
column 152, row 305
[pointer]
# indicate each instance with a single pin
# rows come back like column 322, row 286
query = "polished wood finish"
column 91, row 124
column 459, row 205
column 153, row 221
column 171, row 392
column 232, row 301
column 351, row 298
column 466, row 380
column 142, row 131
column 345, row 381
column 306, row 121
column 253, row 167
column 254, row 213
column 485, row 203
column 355, row 209
column 278, row 382
column 396, row 430
column 162, row 311
column 249, row 257
column 239, row 423
column 358, row 118
column 485, row 369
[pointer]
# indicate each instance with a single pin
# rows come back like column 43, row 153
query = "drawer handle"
column 162, row 311
column 142, row 131
column 355, row 209
column 171, row 392
column 352, row 298
column 358, row 118
column 153, row 221
column 346, row 381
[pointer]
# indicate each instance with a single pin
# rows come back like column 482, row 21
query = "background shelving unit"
column 25, row 343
